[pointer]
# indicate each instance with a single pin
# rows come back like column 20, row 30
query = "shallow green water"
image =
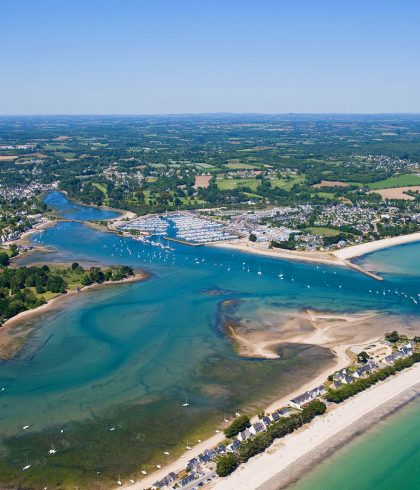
column 385, row 458
column 125, row 357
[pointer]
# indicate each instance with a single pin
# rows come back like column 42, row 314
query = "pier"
column 364, row 271
column 184, row 242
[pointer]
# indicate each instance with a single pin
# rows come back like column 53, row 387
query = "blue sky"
column 190, row 56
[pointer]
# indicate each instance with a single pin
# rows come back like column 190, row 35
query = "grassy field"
column 229, row 184
column 399, row 181
column 327, row 195
column 239, row 166
column 101, row 187
column 321, row 230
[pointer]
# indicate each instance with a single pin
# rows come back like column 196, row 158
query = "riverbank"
column 24, row 238
column 13, row 332
column 292, row 456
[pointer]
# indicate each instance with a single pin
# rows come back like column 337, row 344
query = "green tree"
column 227, row 464
column 238, row 425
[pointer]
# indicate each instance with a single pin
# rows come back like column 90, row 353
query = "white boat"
column 52, row 450
column 186, row 404
column 26, row 467
column 25, row 427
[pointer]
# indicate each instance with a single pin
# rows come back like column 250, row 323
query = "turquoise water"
column 386, row 458
column 125, row 357
column 399, row 260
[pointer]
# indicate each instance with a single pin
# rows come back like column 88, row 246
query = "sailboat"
column 225, row 419
column 53, row 450
column 186, row 404
column 119, row 482
column 259, row 272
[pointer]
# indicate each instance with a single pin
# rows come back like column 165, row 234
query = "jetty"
column 363, row 271
column 184, row 242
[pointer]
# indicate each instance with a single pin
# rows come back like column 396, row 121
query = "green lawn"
column 101, row 187
column 327, row 195
column 399, row 181
column 67, row 154
column 238, row 166
column 287, row 184
column 321, row 230
column 230, row 184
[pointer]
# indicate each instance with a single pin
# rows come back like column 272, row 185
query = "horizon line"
column 218, row 113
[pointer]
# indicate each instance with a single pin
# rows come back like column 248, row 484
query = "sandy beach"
column 365, row 248
column 337, row 257
column 244, row 245
column 294, row 454
column 13, row 330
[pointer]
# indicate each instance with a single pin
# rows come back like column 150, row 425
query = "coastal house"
column 193, row 463
column 275, row 416
column 300, row 400
column 284, row 412
column 220, row 449
column 307, row 397
column 234, row 446
column 206, row 456
column 166, row 481
column 406, row 350
column 187, row 479
column 244, row 435
column 267, row 421
column 348, row 379
column 318, row 391
column 257, row 427
column 340, row 375
column 394, row 357
column 362, row 371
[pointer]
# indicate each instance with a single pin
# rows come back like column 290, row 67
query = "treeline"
column 21, row 289
column 97, row 275
column 346, row 391
column 15, row 295
column 227, row 463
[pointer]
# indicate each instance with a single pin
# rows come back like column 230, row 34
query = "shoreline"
column 339, row 257
column 369, row 247
column 292, row 456
column 342, row 358
column 318, row 455
column 7, row 338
